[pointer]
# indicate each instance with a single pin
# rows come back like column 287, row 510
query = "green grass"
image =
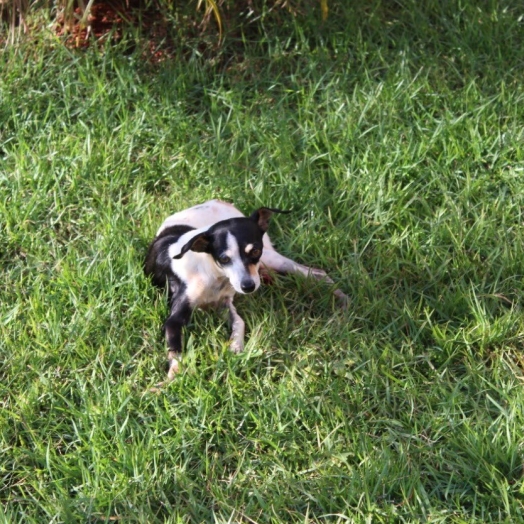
column 396, row 133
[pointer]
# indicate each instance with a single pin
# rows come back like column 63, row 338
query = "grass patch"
column 396, row 135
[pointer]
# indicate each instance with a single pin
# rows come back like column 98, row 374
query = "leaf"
column 324, row 8
column 211, row 5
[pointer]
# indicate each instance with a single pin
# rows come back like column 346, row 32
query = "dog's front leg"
column 271, row 259
column 180, row 313
column 238, row 327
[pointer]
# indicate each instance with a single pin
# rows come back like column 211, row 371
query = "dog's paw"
column 342, row 299
column 236, row 346
column 320, row 274
column 173, row 368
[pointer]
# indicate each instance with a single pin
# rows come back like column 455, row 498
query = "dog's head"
column 236, row 247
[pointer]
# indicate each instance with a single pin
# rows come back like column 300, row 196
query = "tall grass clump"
column 395, row 134
column 21, row 17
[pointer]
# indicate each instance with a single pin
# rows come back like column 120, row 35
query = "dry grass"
column 19, row 17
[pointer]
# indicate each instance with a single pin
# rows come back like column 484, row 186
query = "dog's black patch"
column 180, row 313
column 158, row 264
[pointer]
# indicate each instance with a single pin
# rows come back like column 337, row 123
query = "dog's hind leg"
column 238, row 327
column 273, row 260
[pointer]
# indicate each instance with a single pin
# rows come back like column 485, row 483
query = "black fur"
column 158, row 264
column 179, row 316
column 245, row 230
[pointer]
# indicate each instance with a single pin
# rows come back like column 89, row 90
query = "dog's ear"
column 261, row 216
column 199, row 243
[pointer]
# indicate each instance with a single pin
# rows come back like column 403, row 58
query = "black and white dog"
column 206, row 254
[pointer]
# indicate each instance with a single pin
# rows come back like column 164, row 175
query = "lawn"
column 395, row 132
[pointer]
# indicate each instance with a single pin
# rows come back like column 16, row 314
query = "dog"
column 205, row 255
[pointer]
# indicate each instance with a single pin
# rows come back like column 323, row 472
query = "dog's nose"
column 247, row 286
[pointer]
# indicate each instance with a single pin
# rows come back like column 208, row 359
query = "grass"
column 396, row 135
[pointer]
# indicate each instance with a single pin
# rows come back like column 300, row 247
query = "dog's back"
column 203, row 215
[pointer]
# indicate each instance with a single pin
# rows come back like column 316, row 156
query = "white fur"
column 202, row 216
column 206, row 283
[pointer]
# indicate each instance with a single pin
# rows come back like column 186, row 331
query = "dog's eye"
column 255, row 253
column 224, row 259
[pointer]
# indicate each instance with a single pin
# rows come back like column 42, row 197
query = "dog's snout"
column 247, row 286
